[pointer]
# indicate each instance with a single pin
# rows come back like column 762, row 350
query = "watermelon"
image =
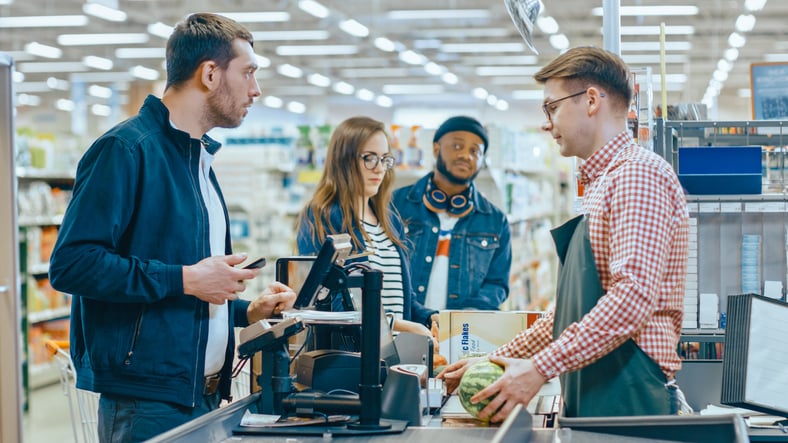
column 477, row 377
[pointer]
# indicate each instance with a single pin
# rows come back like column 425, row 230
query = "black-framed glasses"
column 548, row 111
column 371, row 160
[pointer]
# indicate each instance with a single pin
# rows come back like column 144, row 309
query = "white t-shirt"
column 437, row 287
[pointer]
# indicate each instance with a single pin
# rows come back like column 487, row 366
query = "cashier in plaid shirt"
column 612, row 334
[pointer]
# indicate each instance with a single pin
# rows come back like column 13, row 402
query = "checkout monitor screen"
column 293, row 271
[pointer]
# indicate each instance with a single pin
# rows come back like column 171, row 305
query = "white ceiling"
column 432, row 38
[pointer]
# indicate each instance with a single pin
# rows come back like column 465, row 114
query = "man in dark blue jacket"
column 145, row 247
column 460, row 242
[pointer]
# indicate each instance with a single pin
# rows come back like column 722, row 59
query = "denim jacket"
column 309, row 244
column 480, row 252
column 135, row 219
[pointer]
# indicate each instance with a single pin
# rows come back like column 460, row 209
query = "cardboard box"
column 465, row 333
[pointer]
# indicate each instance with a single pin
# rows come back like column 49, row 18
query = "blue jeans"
column 128, row 419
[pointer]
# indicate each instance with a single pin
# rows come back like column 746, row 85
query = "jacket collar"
column 155, row 109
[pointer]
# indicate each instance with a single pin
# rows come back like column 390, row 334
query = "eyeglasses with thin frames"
column 371, row 161
column 546, row 106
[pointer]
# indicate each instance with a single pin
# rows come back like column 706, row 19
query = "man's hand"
column 519, row 383
column 275, row 299
column 412, row 327
column 452, row 374
column 216, row 279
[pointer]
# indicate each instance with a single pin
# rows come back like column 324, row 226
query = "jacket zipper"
column 134, row 338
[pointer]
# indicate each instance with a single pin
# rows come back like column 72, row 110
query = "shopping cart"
column 82, row 405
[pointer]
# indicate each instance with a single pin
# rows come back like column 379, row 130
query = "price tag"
column 706, row 207
column 730, row 207
column 753, row 207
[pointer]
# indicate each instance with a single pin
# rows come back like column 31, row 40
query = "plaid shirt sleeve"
column 529, row 342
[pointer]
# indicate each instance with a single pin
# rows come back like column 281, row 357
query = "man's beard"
column 221, row 112
column 440, row 165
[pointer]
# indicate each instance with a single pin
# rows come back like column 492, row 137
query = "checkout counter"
column 374, row 400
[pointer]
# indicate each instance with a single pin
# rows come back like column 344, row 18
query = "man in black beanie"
column 460, row 251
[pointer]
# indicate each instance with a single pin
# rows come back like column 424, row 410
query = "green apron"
column 622, row 383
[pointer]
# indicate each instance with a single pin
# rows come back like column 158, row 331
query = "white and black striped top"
column 386, row 259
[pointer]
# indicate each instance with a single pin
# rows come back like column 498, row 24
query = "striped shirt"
column 387, row 260
column 638, row 226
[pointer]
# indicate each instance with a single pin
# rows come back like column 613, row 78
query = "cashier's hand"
column 519, row 383
column 276, row 298
column 452, row 374
column 216, row 279
column 412, row 327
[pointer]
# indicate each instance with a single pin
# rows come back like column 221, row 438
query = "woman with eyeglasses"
column 354, row 197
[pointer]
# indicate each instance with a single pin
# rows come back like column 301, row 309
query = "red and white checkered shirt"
column 638, row 227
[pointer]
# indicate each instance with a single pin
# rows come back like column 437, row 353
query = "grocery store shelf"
column 49, row 315
column 44, row 374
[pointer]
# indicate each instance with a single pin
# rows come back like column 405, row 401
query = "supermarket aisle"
column 48, row 420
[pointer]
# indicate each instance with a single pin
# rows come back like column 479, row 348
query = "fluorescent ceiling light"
column 385, row 44
column 483, row 47
column 354, row 28
column 745, row 22
column 754, row 5
column 101, row 110
column 144, row 73
column 365, row 94
column 42, row 50
column 720, row 76
column 30, row 87
column 559, row 41
column 101, row 77
column 296, row 107
column 300, row 90
column 384, row 101
column 262, row 62
column 319, row 80
column 343, row 88
column 502, row 105
column 64, row 105
column 28, row 100
column 653, row 59
column 449, row 78
column 374, row 72
column 724, row 65
column 20, row 56
column 94, row 62
column 313, row 8
column 160, row 29
column 433, row 68
column 528, row 94
column 291, row 35
column 273, row 101
column 487, row 71
column 744, row 93
column 257, row 17
column 651, row 10
column 47, row 67
column 654, row 46
column 43, row 21
column 100, row 91
column 104, row 12
column 427, row 43
column 140, row 53
column 17, row 77
column 480, row 93
column 501, row 60
column 655, row 30
column 58, row 84
column 731, row 54
column 772, row 58
column 289, row 70
column 736, row 40
column 491, row 100
column 463, row 32
column 547, row 24
column 6, row 2
column 438, row 14
column 295, row 50
column 412, row 57
column 128, row 38
column 412, row 89
column 513, row 80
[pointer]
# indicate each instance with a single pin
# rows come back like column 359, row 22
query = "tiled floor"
column 48, row 420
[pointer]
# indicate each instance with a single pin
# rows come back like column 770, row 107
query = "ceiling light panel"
column 297, row 50
column 438, row 14
column 102, row 39
column 140, row 53
column 354, row 28
column 45, row 67
column 257, row 17
column 313, row 8
column 660, row 10
column 104, row 12
column 291, row 35
column 44, row 21
column 483, row 47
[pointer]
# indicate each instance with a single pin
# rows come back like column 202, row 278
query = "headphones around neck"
column 457, row 205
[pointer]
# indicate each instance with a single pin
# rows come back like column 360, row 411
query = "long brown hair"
column 342, row 183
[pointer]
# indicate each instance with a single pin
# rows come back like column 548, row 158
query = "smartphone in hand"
column 257, row 264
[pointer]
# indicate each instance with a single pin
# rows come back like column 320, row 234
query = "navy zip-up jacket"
column 135, row 219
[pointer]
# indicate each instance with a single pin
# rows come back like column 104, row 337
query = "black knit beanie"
column 462, row 123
